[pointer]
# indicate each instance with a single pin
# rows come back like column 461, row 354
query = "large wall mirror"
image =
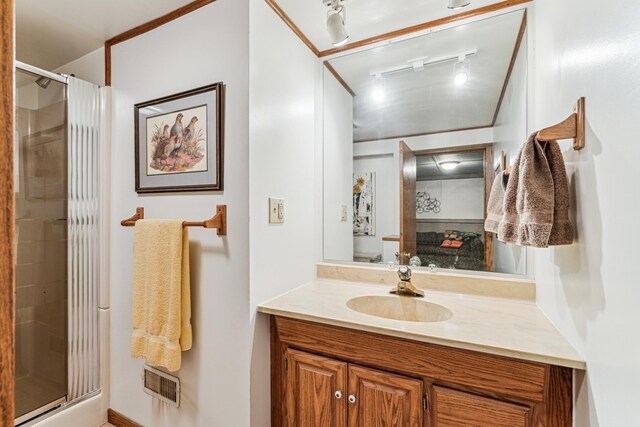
column 414, row 133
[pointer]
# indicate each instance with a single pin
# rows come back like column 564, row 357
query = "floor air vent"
column 161, row 385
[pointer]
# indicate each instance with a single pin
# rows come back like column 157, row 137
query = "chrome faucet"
column 405, row 287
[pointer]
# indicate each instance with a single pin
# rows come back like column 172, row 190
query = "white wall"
column 510, row 133
column 89, row 68
column 459, row 198
column 203, row 47
column 338, row 169
column 590, row 290
column 283, row 163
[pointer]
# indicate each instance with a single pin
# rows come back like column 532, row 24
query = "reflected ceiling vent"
column 458, row 4
column 161, row 385
column 336, row 18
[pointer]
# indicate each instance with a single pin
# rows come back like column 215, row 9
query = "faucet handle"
column 401, row 255
column 404, row 273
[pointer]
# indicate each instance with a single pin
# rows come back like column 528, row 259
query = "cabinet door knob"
column 338, row 394
column 352, row 398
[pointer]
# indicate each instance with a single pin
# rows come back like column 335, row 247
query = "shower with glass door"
column 57, row 154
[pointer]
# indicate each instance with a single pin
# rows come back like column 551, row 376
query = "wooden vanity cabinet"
column 324, row 392
column 327, row 376
column 315, row 391
column 380, row 399
column 454, row 408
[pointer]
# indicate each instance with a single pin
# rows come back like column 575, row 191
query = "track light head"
column 336, row 23
column 458, row 4
column 461, row 70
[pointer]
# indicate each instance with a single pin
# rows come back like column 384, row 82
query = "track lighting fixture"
column 457, row 4
column 336, row 17
column 420, row 64
column 461, row 70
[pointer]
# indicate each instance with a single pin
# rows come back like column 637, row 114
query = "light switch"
column 276, row 211
column 343, row 213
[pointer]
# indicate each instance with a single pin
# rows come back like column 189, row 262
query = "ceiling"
column 428, row 101
column 471, row 165
column 367, row 18
column 51, row 33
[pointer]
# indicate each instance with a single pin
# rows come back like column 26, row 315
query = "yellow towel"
column 161, row 294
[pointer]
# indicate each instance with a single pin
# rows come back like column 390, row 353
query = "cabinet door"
column 316, row 391
column 453, row 408
column 381, row 399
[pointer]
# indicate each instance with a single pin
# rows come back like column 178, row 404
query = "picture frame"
column 364, row 203
column 179, row 141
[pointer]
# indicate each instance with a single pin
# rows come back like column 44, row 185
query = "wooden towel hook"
column 130, row 222
column 571, row 127
column 218, row 221
column 503, row 164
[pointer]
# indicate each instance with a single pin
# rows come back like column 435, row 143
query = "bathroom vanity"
column 481, row 361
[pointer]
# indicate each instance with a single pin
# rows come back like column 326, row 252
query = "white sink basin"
column 407, row 309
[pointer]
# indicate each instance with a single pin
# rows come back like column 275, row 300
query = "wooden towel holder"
column 219, row 221
column 571, row 127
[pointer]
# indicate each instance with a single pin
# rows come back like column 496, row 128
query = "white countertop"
column 499, row 326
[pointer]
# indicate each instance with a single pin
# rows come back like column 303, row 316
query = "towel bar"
column 571, row 127
column 219, row 221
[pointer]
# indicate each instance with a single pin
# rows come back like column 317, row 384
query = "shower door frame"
column 39, row 71
column 88, row 383
column 18, row 65
column 7, row 230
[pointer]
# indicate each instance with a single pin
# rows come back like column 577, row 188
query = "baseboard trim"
column 119, row 420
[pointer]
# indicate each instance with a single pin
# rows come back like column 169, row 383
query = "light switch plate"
column 276, row 211
column 343, row 213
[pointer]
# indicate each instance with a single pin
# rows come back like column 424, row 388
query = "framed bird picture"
column 179, row 141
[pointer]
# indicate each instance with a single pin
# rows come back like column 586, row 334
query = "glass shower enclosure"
column 56, row 155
